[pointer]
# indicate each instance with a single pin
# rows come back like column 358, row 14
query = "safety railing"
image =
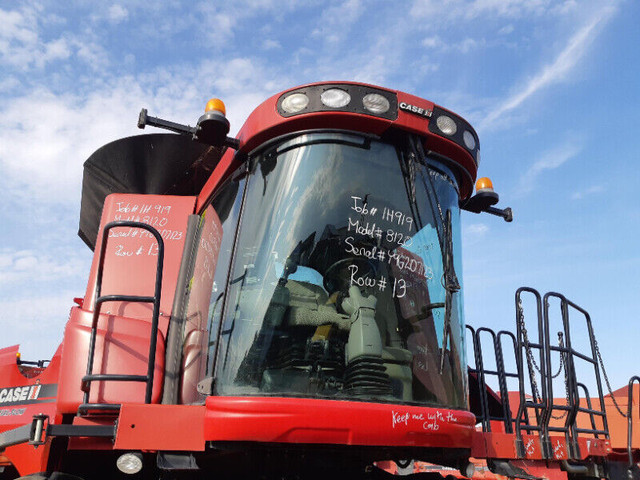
column 532, row 409
column 629, row 420
column 568, row 356
column 499, row 373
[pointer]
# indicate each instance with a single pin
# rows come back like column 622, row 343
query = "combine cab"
column 288, row 304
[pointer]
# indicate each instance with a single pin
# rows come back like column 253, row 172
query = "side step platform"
column 553, row 425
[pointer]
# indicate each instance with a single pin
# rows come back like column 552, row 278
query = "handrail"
column 99, row 300
column 629, row 422
column 539, row 402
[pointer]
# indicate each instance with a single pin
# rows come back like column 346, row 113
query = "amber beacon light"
column 215, row 104
column 484, row 184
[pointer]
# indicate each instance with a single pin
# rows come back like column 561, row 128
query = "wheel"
column 49, row 476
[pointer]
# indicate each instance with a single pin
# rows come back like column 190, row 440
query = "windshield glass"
column 339, row 287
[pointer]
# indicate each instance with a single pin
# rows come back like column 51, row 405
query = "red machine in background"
column 288, row 304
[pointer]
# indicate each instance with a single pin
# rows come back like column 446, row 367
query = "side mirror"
column 484, row 201
column 481, row 201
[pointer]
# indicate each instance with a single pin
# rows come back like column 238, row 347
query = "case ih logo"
column 26, row 394
column 422, row 112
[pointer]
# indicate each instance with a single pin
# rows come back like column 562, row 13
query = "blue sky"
column 552, row 87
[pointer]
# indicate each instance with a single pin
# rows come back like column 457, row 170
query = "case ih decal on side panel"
column 26, row 395
column 26, row 389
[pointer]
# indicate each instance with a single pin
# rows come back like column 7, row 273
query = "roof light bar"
column 341, row 97
column 456, row 129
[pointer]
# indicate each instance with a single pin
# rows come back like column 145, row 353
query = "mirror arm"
column 505, row 213
column 232, row 143
column 144, row 119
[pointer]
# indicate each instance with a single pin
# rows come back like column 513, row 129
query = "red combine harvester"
column 288, row 304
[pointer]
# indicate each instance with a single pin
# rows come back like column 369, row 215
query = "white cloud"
column 588, row 191
column 19, row 37
column 92, row 54
column 117, row 13
column 463, row 46
column 220, row 25
column 372, row 71
column 18, row 26
column 476, row 230
column 507, row 8
column 23, row 46
column 269, row 44
column 432, row 42
column 455, row 10
column 8, row 83
column 565, row 7
column 32, row 313
column 336, row 21
column 468, row 44
column 506, row 30
column 555, row 71
column 36, row 325
column 30, row 266
column 54, row 50
column 550, row 160
column 42, row 160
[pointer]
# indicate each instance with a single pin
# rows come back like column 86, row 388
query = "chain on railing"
column 606, row 380
column 532, row 364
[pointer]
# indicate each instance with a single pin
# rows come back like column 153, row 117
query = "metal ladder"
column 90, row 377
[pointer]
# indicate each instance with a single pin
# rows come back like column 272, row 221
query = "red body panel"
column 294, row 420
column 124, row 328
column 130, row 258
column 122, row 346
column 161, row 427
column 503, row 445
column 39, row 397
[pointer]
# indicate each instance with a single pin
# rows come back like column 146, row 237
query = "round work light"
column 446, row 125
column 469, row 140
column 376, row 103
column 295, row 103
column 335, row 98
column 129, row 463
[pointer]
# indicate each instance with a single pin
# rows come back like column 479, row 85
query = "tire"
column 49, row 476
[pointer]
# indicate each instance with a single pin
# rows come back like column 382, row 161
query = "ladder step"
column 114, row 377
column 87, row 379
column 125, row 298
column 85, row 408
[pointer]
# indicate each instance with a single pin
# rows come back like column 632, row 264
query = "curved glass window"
column 205, row 290
column 346, row 276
